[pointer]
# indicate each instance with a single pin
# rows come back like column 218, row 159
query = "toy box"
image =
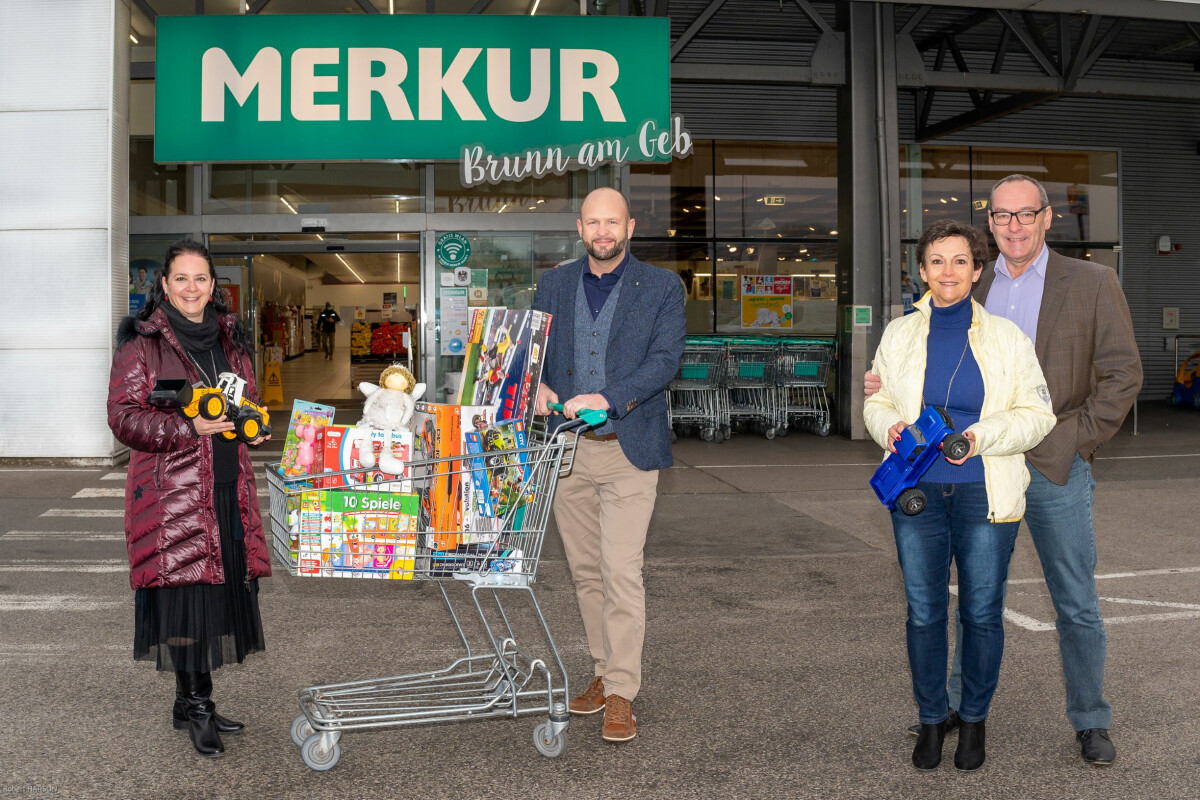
column 338, row 447
column 357, row 534
column 503, row 361
column 501, row 490
column 300, row 446
column 437, row 432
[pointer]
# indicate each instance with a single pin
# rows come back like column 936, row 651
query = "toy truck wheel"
column 212, row 406
column 911, row 502
column 249, row 427
column 956, row 446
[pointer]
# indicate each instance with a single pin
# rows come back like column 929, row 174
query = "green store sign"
column 541, row 90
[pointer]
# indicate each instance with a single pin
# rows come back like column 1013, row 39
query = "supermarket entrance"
column 372, row 280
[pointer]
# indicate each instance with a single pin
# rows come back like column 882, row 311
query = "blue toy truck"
column 919, row 445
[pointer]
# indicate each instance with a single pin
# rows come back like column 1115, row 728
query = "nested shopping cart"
column 401, row 533
column 696, row 399
column 802, row 372
column 750, row 379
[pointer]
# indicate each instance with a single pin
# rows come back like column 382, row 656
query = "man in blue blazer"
column 615, row 343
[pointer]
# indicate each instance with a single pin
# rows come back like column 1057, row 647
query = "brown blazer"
column 1088, row 354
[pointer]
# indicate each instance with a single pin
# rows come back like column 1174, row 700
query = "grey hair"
column 1043, row 198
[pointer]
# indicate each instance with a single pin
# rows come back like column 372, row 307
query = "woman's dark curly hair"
column 945, row 228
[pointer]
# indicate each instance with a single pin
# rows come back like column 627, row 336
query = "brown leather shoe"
column 592, row 699
column 620, row 725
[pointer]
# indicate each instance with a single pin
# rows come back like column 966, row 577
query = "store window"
column 156, row 190
column 811, row 267
column 673, row 200
column 693, row 262
column 769, row 190
column 554, row 194
column 313, row 188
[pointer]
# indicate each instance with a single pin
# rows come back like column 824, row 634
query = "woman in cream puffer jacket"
column 983, row 372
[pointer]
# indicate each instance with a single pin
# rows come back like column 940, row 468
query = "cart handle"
column 592, row 417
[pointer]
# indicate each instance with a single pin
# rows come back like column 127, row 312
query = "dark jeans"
column 1059, row 519
column 954, row 525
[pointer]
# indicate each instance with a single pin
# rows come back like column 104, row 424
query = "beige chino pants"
column 603, row 510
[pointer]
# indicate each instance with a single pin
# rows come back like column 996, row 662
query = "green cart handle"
column 592, row 417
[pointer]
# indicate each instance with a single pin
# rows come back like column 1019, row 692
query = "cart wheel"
column 822, row 429
column 551, row 747
column 769, row 433
column 319, row 758
column 781, row 431
column 911, row 502
column 707, row 434
column 301, row 730
column 726, row 433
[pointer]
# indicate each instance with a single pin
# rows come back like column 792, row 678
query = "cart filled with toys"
column 459, row 495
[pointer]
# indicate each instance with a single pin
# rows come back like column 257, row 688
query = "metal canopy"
column 1179, row 10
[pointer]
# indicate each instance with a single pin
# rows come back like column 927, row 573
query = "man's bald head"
column 605, row 227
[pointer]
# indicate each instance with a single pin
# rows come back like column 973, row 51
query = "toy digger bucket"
column 592, row 417
column 169, row 393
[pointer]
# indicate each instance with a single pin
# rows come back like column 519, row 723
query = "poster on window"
column 455, row 318
column 767, row 301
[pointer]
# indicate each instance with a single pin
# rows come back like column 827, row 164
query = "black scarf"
column 197, row 337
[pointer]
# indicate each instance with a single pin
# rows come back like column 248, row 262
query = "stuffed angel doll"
column 389, row 406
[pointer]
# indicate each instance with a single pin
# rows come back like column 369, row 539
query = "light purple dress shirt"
column 1019, row 300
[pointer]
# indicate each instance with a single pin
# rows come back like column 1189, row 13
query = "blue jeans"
column 954, row 525
column 1059, row 519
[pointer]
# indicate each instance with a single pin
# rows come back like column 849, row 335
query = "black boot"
column 969, row 755
column 179, row 717
column 928, row 752
column 196, row 688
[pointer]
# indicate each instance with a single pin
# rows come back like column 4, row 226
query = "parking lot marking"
column 1113, row 575
column 66, row 565
column 84, row 512
column 64, row 602
column 113, row 476
column 87, row 494
column 1019, row 619
column 75, row 536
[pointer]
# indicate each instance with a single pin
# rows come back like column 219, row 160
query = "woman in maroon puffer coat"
column 192, row 525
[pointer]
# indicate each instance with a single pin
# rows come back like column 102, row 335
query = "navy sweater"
column 947, row 339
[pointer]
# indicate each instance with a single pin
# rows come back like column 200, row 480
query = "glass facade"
column 313, row 188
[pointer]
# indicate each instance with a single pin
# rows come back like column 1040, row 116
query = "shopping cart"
column 696, row 399
column 750, row 378
column 800, row 378
column 399, row 531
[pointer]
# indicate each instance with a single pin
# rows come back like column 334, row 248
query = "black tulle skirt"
column 199, row 628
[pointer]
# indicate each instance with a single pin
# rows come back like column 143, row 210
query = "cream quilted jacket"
column 1016, row 412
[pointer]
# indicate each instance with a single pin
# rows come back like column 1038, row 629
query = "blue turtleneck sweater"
column 947, row 344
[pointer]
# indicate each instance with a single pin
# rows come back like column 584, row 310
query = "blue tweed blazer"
column 645, row 346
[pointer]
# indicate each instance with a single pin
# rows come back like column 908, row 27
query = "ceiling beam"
column 1028, row 43
column 1074, row 72
column 699, row 22
column 146, row 9
column 1000, row 108
column 813, row 15
column 957, row 28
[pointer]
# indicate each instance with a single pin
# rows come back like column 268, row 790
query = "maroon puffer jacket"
column 170, row 523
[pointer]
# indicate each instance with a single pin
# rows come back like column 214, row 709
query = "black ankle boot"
column 928, row 752
column 196, row 688
column 179, row 717
column 969, row 755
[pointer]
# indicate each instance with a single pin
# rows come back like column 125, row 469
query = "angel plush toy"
column 389, row 406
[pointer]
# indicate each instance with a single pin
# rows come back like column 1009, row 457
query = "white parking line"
column 1156, row 603
column 74, row 536
column 1113, row 575
column 84, row 512
column 65, row 602
column 66, row 565
column 88, row 494
column 114, row 476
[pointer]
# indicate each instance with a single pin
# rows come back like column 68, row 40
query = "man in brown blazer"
column 1076, row 315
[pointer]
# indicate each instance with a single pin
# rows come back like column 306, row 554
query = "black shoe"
column 1096, row 746
column 969, row 755
column 951, row 724
column 196, row 688
column 927, row 753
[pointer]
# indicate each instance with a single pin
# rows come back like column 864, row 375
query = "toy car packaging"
column 503, row 361
column 499, row 477
column 436, row 435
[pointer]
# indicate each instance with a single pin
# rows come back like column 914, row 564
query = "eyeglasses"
column 1023, row 217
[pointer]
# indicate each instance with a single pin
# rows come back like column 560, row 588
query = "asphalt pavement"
column 775, row 662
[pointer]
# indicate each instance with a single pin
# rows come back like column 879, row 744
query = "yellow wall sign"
column 767, row 301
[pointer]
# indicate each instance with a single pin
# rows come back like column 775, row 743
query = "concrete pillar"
column 64, row 222
column 868, row 199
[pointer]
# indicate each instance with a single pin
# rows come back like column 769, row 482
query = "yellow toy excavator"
column 227, row 399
